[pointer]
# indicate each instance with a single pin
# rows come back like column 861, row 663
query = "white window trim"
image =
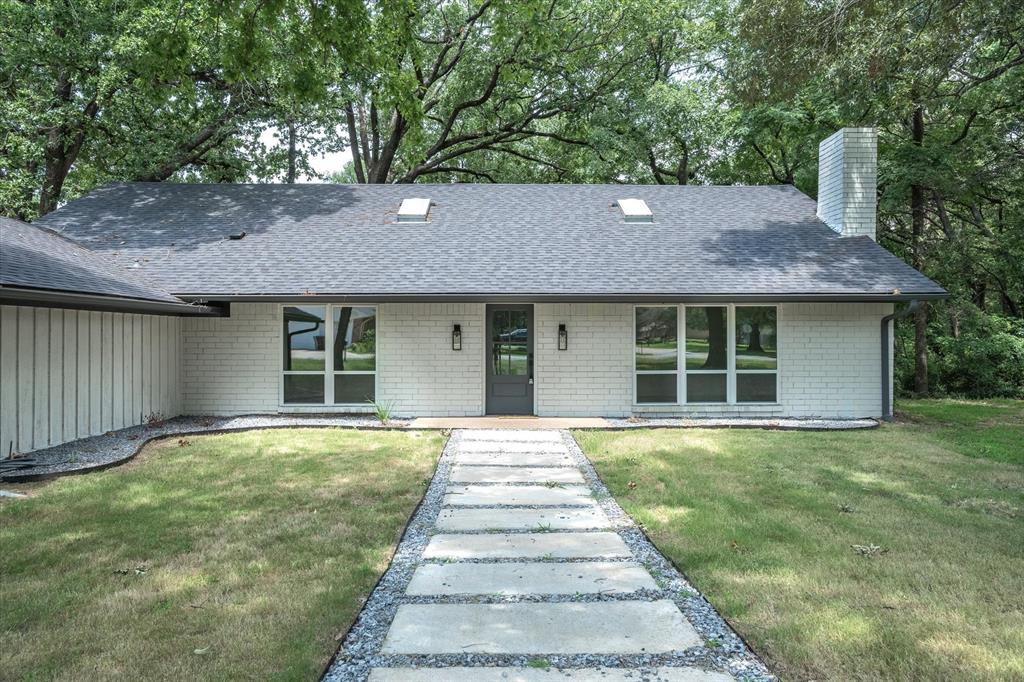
column 676, row 371
column 328, row 372
column 730, row 371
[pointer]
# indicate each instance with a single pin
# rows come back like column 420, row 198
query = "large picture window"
column 718, row 354
column 756, row 354
column 330, row 355
column 657, row 354
column 707, row 354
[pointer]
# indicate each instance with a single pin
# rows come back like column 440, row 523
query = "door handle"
column 529, row 366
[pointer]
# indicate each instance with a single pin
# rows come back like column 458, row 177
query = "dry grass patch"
column 883, row 554
column 241, row 556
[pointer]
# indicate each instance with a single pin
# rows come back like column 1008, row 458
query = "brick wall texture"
column 829, row 360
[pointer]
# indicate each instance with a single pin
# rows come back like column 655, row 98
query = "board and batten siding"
column 68, row 374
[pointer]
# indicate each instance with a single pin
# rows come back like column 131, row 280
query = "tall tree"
column 145, row 89
column 453, row 81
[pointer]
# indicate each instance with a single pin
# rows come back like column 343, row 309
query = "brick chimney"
column 847, row 181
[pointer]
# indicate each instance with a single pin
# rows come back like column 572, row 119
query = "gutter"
column 48, row 298
column 914, row 306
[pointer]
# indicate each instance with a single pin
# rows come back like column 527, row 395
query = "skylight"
column 414, row 210
column 635, row 211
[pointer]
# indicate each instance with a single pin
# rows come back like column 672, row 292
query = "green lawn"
column 240, row 556
column 764, row 523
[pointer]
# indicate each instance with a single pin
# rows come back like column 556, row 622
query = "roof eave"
column 570, row 298
column 52, row 298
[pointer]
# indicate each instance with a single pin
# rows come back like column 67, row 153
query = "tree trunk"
column 339, row 337
column 917, row 249
column 755, row 338
column 291, row 152
column 717, row 344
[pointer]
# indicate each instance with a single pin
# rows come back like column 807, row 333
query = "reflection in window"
column 656, row 332
column 509, row 326
column 355, row 354
column 706, row 340
column 707, row 354
column 353, row 388
column 509, row 359
column 755, row 338
column 308, row 363
column 756, row 354
column 355, row 339
column 656, row 388
column 656, row 354
column 304, row 389
column 304, row 331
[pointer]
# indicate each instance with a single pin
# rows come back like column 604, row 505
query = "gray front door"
column 510, row 359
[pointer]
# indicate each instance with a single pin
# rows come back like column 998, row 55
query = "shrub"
column 986, row 359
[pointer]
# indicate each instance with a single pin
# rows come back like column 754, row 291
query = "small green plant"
column 539, row 663
column 553, row 484
column 543, row 527
column 383, row 409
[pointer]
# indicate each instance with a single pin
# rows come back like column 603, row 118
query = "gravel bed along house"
column 114, row 447
column 720, row 648
column 782, row 424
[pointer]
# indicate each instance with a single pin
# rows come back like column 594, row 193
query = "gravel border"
column 116, row 447
column 776, row 424
column 359, row 651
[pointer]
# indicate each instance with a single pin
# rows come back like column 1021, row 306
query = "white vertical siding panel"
column 162, row 359
column 95, row 372
column 144, row 366
column 25, row 351
column 117, row 372
column 137, row 403
column 8, row 380
column 56, row 388
column 41, row 380
column 67, row 374
column 107, row 360
column 69, row 414
column 84, row 374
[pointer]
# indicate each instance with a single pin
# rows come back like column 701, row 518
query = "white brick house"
column 452, row 300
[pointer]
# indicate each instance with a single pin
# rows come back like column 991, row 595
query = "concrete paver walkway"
column 522, row 567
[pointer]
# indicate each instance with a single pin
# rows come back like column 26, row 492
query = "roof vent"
column 413, row 210
column 635, row 211
column 236, row 235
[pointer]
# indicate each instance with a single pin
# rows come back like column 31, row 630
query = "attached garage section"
column 69, row 374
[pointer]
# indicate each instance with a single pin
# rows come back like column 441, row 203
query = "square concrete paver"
column 624, row 627
column 600, row 545
column 456, row 519
column 505, row 435
column 512, row 446
column 493, row 474
column 545, row 675
column 589, row 577
column 541, row 459
column 462, row 495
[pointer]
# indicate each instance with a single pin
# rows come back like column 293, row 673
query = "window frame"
column 328, row 372
column 730, row 370
column 736, row 371
column 638, row 372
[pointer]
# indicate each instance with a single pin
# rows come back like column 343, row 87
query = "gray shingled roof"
column 36, row 258
column 501, row 240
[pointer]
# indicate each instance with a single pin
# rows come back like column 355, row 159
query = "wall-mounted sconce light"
column 563, row 338
column 457, row 337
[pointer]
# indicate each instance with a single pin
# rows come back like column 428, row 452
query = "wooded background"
column 617, row 91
